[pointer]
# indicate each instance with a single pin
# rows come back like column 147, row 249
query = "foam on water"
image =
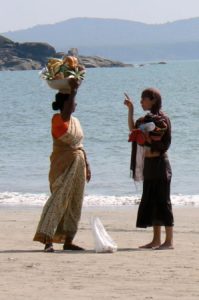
column 28, row 199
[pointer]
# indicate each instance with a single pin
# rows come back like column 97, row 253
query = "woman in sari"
column 68, row 172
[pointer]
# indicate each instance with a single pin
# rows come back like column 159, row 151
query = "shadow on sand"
column 71, row 252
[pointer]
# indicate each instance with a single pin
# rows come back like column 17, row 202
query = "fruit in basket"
column 70, row 61
column 54, row 69
column 58, row 73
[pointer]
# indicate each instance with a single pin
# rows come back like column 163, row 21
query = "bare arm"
column 128, row 102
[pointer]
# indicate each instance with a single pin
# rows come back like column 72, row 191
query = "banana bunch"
column 53, row 66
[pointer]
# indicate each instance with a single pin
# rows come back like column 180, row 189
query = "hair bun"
column 55, row 106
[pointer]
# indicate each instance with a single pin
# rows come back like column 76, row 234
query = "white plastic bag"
column 103, row 241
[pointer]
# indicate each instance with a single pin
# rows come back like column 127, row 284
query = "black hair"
column 153, row 94
column 60, row 98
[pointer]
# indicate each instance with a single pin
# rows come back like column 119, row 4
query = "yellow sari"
column 67, row 177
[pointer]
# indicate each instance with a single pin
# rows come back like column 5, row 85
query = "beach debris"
column 12, row 258
column 32, row 265
column 103, row 242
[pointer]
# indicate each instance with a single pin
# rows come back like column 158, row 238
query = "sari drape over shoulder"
column 67, row 176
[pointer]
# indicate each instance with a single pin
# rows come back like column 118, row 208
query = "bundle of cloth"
column 155, row 125
column 158, row 128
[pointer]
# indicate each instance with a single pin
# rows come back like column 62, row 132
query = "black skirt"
column 155, row 207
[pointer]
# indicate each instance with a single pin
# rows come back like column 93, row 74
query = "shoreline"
column 92, row 200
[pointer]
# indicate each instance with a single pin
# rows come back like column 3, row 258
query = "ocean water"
column 25, row 143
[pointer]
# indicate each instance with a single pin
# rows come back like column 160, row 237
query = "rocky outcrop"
column 4, row 42
column 152, row 63
column 34, row 56
column 23, row 56
column 35, row 51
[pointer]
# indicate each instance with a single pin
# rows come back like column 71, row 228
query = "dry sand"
column 26, row 272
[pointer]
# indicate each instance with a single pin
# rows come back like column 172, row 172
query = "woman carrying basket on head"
column 69, row 170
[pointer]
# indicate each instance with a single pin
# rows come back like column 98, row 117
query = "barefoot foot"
column 151, row 245
column 166, row 246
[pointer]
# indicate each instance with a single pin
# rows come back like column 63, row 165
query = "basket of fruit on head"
column 59, row 72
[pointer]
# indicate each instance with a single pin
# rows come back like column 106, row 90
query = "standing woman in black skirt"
column 151, row 138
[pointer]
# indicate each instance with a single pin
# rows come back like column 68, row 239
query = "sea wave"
column 28, row 199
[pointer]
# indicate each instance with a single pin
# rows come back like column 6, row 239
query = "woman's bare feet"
column 156, row 240
column 153, row 244
column 166, row 246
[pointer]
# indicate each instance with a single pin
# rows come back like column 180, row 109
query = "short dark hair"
column 153, row 94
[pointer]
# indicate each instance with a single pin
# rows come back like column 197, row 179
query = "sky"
column 23, row 14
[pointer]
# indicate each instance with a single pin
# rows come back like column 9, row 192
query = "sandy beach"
column 29, row 273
